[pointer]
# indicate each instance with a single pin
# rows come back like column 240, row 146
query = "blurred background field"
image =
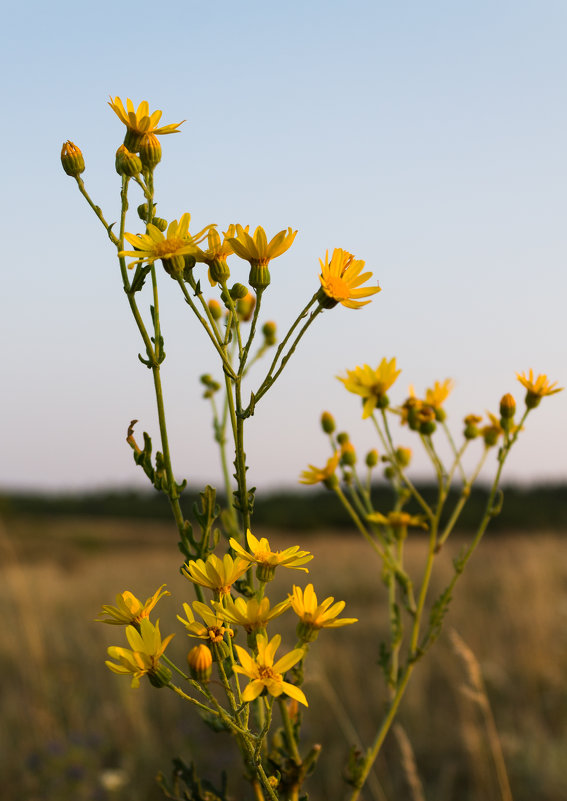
column 71, row 729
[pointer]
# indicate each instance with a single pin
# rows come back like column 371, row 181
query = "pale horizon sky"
column 426, row 138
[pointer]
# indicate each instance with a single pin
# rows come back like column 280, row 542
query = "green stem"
column 218, row 347
column 270, row 377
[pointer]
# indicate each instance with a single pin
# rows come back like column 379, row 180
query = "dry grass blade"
column 409, row 764
column 476, row 692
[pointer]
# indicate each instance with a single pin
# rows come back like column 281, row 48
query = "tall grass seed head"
column 72, row 159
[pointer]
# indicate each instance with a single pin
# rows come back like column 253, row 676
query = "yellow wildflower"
column 139, row 122
column 266, row 559
column 256, row 249
column 259, row 252
column 213, row 628
column 314, row 617
column 264, row 674
column 252, row 615
column 314, row 475
column 492, row 431
column 216, row 254
column 341, row 278
column 216, row 574
column 537, row 388
column 398, row 520
column 147, row 648
column 129, row 610
column 437, row 396
column 371, row 385
column 171, row 247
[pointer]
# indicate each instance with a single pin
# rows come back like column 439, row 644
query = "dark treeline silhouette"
column 532, row 508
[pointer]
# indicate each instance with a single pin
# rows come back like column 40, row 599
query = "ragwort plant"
column 256, row 693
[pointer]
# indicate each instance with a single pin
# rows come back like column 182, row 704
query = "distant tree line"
column 535, row 508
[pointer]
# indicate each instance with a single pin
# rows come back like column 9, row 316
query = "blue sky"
column 426, row 138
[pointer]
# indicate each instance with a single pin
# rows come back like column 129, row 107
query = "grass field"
column 71, row 730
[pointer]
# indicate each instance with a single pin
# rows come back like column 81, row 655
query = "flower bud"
column 403, row 456
column 245, row 307
column 507, row 406
column 150, row 151
column 219, row 271
column 127, row 163
column 348, row 455
column 238, row 292
column 200, row 663
column 372, row 458
column 72, row 159
column 389, row 473
column 143, row 212
column 160, row 676
column 215, row 309
column 328, row 423
column 159, row 223
column 471, row 422
column 269, row 331
column 342, row 438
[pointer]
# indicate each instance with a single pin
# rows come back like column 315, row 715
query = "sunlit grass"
column 72, row 730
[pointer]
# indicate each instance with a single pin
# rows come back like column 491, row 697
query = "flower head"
column 256, row 249
column 139, row 122
column 216, row 254
column 537, row 388
column 153, row 245
column 492, row 431
column 267, row 560
column 252, row 615
column 213, row 629
column 437, row 395
column 216, row 574
column 314, row 617
column 129, row 610
column 341, row 278
column 259, row 252
column 398, row 520
column 370, row 384
column 315, row 475
column 147, row 648
column 264, row 674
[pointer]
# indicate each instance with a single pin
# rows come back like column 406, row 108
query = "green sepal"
column 198, row 290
